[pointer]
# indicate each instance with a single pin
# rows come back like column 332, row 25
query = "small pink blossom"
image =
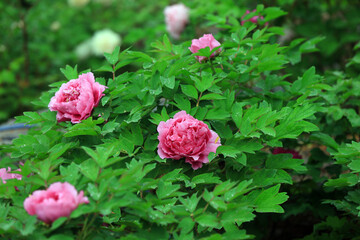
column 253, row 19
column 176, row 18
column 59, row 200
column 280, row 150
column 5, row 174
column 186, row 137
column 205, row 41
column 76, row 99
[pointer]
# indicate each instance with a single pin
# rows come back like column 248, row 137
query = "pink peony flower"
column 76, row 99
column 280, row 150
column 185, row 136
column 205, row 41
column 253, row 19
column 176, row 18
column 59, row 200
column 4, row 174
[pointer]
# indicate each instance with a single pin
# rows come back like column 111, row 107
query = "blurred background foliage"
column 39, row 37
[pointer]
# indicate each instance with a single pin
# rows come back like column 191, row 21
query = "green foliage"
column 256, row 94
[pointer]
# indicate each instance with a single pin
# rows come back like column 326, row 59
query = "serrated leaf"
column 168, row 81
column 189, row 91
column 268, row 200
column 69, row 72
column 208, row 220
column 113, row 57
column 212, row 96
column 285, row 161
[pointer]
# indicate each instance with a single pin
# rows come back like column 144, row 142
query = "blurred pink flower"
column 5, row 174
column 185, row 136
column 76, row 99
column 280, row 150
column 205, row 41
column 253, row 19
column 176, row 18
column 59, row 200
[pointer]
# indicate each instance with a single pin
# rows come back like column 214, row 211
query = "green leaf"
column 186, row 225
column 217, row 114
column 90, row 169
column 208, row 220
column 237, row 113
column 166, row 189
column 268, row 200
column 285, row 161
column 168, row 81
column 205, row 52
column 58, row 222
column 272, row 13
column 94, row 192
column 355, row 165
column 223, row 187
column 59, row 149
column 325, row 139
column 205, row 82
column 240, row 189
column 86, row 127
column 212, row 96
column 238, row 215
column 69, row 72
column 228, row 151
column 205, row 178
column 189, row 91
column 109, row 127
column 190, row 203
column 305, row 82
column 142, row 57
column 113, row 57
column 105, row 68
column 167, row 43
column 182, row 103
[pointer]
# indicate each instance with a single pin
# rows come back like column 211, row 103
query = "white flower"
column 78, row 3
column 55, row 26
column 104, row 41
column 176, row 18
column 83, row 50
column 2, row 48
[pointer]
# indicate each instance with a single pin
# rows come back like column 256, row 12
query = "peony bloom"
column 205, row 41
column 104, row 41
column 59, row 200
column 280, row 150
column 78, row 3
column 76, row 99
column 176, row 18
column 4, row 174
column 254, row 19
column 186, row 137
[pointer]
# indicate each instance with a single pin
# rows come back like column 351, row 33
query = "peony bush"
column 204, row 141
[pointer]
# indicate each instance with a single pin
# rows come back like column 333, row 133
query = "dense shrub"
column 241, row 139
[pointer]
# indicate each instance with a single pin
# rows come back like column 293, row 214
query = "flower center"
column 71, row 94
column 54, row 196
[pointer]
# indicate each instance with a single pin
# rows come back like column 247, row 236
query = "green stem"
column 212, row 66
column 84, row 232
column 113, row 72
column 207, row 204
column 197, row 103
